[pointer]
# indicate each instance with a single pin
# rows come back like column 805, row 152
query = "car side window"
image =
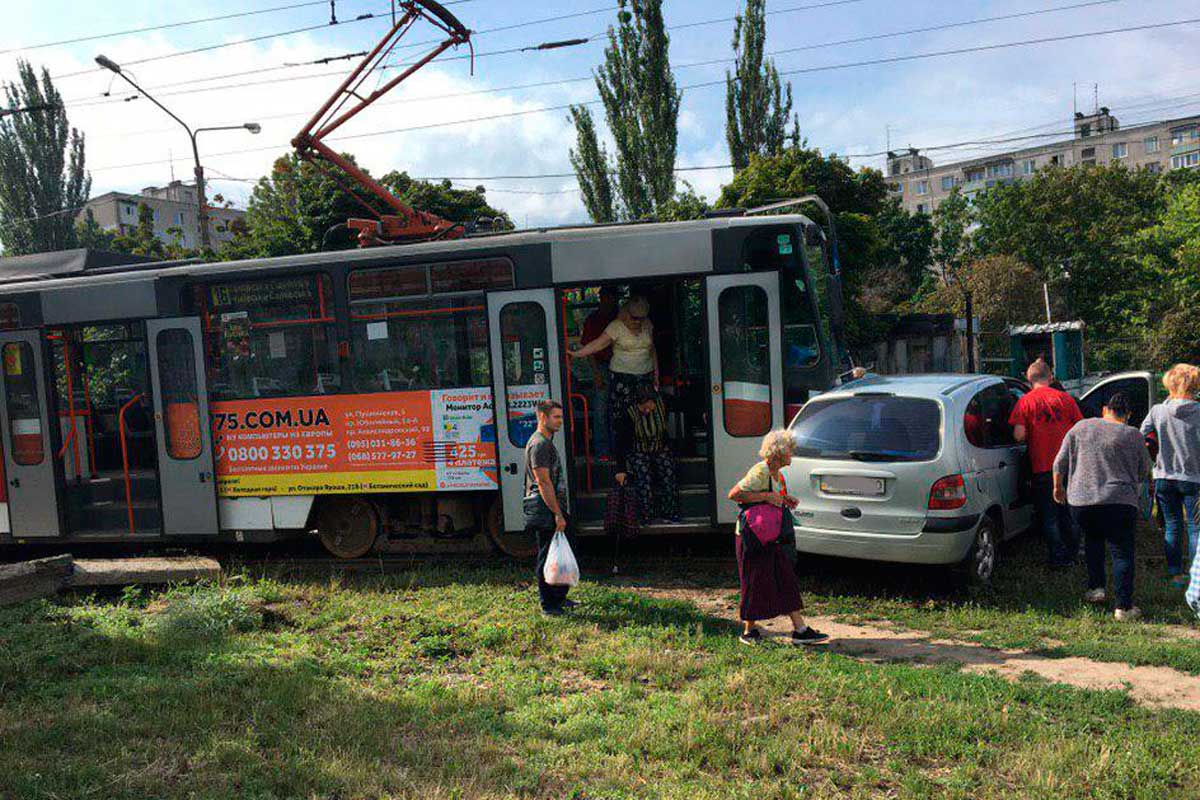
column 998, row 405
column 985, row 421
column 973, row 421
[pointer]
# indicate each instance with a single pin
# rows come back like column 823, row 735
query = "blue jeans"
column 1175, row 499
column 1115, row 525
column 1054, row 520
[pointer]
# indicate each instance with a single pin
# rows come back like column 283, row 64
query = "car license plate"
column 852, row 485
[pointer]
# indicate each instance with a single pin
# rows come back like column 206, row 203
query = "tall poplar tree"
column 589, row 159
column 757, row 103
column 42, row 176
column 641, row 106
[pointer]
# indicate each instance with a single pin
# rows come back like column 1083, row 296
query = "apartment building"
column 1099, row 139
column 176, row 213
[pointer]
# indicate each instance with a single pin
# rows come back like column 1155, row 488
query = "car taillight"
column 948, row 493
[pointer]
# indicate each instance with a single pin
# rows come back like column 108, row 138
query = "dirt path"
column 1156, row 687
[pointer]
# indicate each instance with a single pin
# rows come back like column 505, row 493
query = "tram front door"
column 746, row 362
column 30, row 466
column 526, row 369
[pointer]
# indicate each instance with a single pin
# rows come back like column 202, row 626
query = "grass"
column 1027, row 606
column 444, row 682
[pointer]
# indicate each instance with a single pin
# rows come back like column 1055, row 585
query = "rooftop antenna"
column 1074, row 98
column 171, row 158
column 1096, row 98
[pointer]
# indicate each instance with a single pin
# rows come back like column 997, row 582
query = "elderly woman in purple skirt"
column 767, row 578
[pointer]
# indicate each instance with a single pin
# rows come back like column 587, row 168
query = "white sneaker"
column 1095, row 596
column 1128, row 614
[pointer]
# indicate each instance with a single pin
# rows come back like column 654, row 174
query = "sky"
column 430, row 125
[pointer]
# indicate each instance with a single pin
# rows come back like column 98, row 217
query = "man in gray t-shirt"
column 545, row 499
column 1099, row 472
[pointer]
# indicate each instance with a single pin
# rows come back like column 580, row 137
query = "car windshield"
column 869, row 427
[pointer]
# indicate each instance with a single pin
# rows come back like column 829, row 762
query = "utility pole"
column 201, row 199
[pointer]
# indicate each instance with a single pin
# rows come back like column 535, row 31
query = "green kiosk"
column 1059, row 343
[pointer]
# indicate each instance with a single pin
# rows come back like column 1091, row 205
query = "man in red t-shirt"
column 1042, row 419
column 593, row 326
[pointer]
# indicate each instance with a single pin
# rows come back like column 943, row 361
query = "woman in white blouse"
column 634, row 360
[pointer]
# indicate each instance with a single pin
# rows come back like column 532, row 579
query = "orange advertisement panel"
column 386, row 442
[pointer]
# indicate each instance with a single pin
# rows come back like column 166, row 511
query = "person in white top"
column 634, row 360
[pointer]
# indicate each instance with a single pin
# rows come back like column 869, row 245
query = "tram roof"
column 603, row 236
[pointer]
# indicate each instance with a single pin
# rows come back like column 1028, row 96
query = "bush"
column 204, row 613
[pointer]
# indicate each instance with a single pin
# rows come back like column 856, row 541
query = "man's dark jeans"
column 1055, row 521
column 1115, row 525
column 552, row 597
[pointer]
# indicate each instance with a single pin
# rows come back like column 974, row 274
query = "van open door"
column 746, row 363
column 1137, row 386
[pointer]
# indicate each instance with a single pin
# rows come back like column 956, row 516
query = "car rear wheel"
column 979, row 566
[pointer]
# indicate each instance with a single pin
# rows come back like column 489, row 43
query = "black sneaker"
column 553, row 612
column 809, row 635
column 569, row 604
column 753, row 637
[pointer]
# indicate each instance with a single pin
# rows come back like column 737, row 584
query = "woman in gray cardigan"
column 1099, row 468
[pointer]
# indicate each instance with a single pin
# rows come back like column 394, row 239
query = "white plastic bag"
column 561, row 568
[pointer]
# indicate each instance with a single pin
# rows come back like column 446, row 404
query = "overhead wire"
column 162, row 27
column 365, row 17
column 687, row 65
column 721, row 82
column 82, row 102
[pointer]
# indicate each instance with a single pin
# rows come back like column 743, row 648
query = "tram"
column 386, row 394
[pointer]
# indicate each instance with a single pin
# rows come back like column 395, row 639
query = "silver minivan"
column 921, row 469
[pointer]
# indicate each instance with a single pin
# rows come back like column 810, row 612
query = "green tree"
column 89, row 234
column 951, row 238
column 297, row 208
column 43, row 182
column 855, row 198
column 641, row 105
column 685, row 205
column 1078, row 222
column 1169, row 255
column 457, row 205
column 901, row 258
column 141, row 241
column 757, row 103
column 589, row 159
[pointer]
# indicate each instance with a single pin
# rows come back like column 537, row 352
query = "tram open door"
column 745, row 372
column 526, row 369
column 31, row 471
column 184, row 438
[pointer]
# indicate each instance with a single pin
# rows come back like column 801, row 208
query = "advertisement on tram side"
column 443, row 439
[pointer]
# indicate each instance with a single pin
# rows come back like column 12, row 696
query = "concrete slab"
column 124, row 571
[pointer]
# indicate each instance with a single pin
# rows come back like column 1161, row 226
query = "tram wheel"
column 347, row 526
column 514, row 545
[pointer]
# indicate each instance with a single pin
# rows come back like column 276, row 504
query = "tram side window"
column 745, row 360
column 525, row 346
column 405, row 338
column 270, row 337
column 24, row 409
column 778, row 248
column 180, row 396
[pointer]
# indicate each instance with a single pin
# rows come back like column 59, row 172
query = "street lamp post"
column 202, row 201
